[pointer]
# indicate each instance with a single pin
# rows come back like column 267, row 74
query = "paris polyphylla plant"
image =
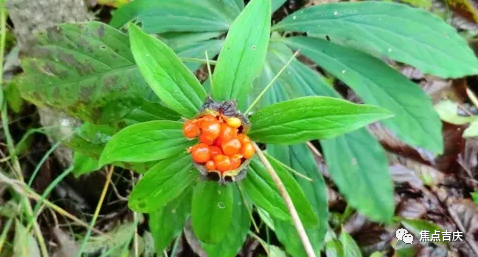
column 179, row 170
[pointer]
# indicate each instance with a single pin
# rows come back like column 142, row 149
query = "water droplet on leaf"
column 173, row 211
column 221, row 205
column 294, row 17
column 343, row 72
column 389, row 50
column 336, row 13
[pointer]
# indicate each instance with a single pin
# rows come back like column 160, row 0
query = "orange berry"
column 215, row 150
column 231, row 147
column 200, row 153
column 247, row 150
column 234, row 122
column 211, row 129
column 206, row 117
column 236, row 161
column 223, row 163
column 206, row 139
column 209, row 117
column 190, row 129
column 210, row 165
column 227, row 133
column 243, row 138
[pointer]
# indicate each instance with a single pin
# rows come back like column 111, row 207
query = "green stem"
column 47, row 192
column 3, row 237
column 198, row 60
column 271, row 83
column 209, row 70
column 97, row 211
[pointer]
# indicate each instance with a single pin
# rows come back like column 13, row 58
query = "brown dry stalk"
column 21, row 188
column 288, row 202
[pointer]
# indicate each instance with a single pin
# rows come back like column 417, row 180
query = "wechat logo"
column 403, row 235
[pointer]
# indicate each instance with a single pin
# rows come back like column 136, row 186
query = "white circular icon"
column 407, row 239
column 400, row 233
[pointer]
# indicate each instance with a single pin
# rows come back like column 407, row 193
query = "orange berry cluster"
column 221, row 148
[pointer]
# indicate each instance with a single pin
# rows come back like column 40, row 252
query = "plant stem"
column 209, row 70
column 271, row 83
column 198, row 60
column 6, row 228
column 97, row 211
column 248, row 208
column 47, row 192
column 472, row 97
column 22, row 189
column 288, row 202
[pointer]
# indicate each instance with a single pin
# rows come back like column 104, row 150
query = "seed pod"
column 223, row 166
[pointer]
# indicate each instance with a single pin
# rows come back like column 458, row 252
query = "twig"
column 314, row 150
column 97, row 211
column 265, row 246
column 460, row 226
column 115, row 190
column 288, row 202
column 22, row 189
column 472, row 97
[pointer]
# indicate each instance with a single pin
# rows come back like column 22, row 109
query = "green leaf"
column 198, row 50
column 276, row 251
column 236, row 234
column 299, row 158
column 472, row 130
column 163, row 183
column 148, row 111
column 474, row 195
column 307, row 214
column 166, row 223
column 415, row 226
column 351, row 248
column 178, row 39
column 276, row 4
column 312, row 117
column 169, row 78
column 397, row 31
column 172, row 15
column 359, row 167
column 24, row 245
column 334, row 248
column 377, row 254
column 147, row 141
column 448, row 111
column 300, row 80
column 243, row 54
column 378, row 84
column 85, row 69
column 264, row 193
column 212, row 211
column 13, row 97
column 84, row 164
